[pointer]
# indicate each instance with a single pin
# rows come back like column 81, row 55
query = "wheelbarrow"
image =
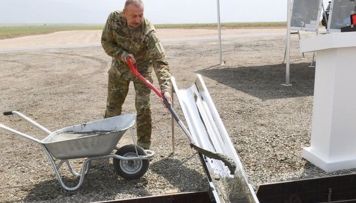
column 92, row 140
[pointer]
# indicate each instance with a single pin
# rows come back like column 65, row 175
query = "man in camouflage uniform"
column 128, row 34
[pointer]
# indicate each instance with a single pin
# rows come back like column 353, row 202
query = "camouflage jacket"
column 142, row 42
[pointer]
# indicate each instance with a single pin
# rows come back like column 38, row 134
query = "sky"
column 157, row 11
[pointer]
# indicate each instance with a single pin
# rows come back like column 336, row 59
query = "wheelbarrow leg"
column 70, row 168
column 81, row 174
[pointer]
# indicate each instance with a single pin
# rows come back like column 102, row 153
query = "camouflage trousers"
column 118, row 87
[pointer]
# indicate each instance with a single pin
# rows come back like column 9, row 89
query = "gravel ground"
column 268, row 123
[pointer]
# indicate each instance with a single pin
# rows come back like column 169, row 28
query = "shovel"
column 227, row 161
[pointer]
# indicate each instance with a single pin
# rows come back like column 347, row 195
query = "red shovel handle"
column 169, row 106
column 134, row 71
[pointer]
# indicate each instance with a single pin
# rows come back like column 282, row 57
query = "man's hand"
column 168, row 97
column 125, row 56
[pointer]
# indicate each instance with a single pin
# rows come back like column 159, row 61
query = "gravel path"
column 64, row 85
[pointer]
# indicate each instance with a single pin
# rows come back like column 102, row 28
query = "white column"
column 333, row 137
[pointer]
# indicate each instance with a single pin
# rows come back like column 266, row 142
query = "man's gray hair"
column 134, row 2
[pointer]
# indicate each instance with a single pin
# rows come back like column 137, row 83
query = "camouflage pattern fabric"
column 118, row 39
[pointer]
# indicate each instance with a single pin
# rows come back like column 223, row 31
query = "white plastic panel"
column 208, row 131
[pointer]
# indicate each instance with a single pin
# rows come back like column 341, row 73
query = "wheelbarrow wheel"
column 130, row 169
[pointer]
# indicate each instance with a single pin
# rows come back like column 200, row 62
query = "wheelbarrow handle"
column 19, row 133
column 34, row 123
column 7, row 113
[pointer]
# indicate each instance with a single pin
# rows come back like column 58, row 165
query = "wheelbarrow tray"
column 95, row 138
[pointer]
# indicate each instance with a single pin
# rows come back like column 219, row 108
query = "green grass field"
column 11, row 31
column 223, row 25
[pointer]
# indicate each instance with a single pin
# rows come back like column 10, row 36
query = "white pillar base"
column 327, row 164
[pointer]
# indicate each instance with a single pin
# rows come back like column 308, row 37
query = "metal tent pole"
column 289, row 13
column 172, row 123
column 219, row 29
